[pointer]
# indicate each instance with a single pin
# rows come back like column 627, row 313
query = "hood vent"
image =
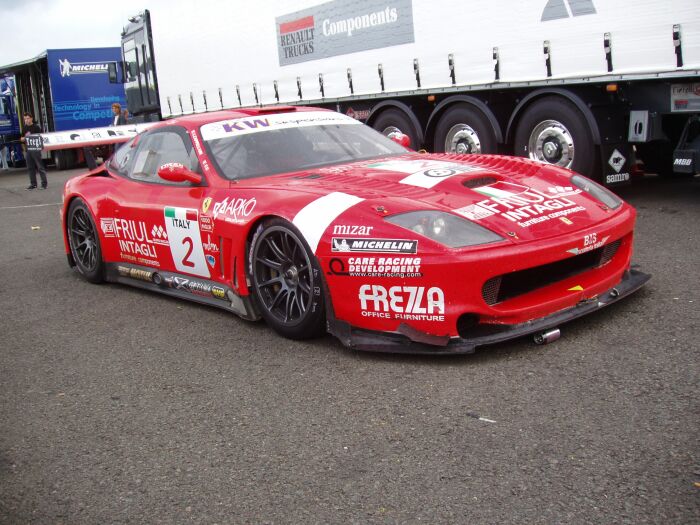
column 478, row 182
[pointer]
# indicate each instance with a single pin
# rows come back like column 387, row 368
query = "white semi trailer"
column 587, row 84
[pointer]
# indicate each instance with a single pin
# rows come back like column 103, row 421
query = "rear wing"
column 85, row 138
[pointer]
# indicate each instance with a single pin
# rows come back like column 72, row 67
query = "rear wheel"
column 552, row 130
column 84, row 242
column 463, row 129
column 393, row 121
column 286, row 281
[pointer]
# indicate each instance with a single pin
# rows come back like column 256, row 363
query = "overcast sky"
column 32, row 26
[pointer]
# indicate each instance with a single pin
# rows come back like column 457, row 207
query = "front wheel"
column 84, row 242
column 286, row 281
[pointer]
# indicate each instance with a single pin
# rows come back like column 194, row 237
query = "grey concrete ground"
column 121, row 406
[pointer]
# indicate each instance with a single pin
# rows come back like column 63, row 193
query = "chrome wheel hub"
column 550, row 142
column 462, row 139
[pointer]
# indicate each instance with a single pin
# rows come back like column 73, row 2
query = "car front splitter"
column 411, row 341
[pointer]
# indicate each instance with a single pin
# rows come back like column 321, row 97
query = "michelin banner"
column 339, row 28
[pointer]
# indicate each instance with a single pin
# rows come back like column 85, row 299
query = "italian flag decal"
column 502, row 190
column 182, row 225
column 180, row 213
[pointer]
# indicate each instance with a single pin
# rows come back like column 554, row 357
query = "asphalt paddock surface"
column 123, row 406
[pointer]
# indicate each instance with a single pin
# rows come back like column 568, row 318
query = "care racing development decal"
column 410, row 303
column 137, row 240
column 376, row 267
column 424, row 173
column 186, row 248
column 522, row 205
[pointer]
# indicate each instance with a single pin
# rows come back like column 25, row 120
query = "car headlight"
column 594, row 189
column 445, row 228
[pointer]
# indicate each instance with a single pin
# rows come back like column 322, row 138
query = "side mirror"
column 176, row 172
column 401, row 139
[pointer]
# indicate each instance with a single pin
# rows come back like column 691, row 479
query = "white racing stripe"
column 313, row 219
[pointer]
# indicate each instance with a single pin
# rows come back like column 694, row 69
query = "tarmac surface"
column 123, row 406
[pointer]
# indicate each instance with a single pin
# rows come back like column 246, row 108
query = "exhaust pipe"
column 548, row 336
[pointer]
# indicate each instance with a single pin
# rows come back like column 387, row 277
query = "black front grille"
column 502, row 287
column 490, row 290
column 609, row 252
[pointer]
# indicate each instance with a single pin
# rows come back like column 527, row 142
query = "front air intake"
column 510, row 285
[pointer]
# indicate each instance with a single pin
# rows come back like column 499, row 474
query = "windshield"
column 267, row 144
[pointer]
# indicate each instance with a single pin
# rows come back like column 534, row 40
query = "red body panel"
column 400, row 277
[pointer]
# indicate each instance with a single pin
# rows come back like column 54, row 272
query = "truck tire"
column 463, row 129
column 396, row 121
column 64, row 159
column 553, row 130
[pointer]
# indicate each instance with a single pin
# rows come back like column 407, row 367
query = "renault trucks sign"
column 339, row 28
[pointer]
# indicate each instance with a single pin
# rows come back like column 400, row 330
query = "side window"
column 157, row 149
column 123, row 157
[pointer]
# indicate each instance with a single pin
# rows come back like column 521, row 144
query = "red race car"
column 314, row 222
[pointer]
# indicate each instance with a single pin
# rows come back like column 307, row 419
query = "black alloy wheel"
column 85, row 242
column 286, row 281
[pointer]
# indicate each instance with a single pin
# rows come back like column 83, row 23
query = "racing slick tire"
column 84, row 242
column 463, row 129
column 554, row 131
column 286, row 280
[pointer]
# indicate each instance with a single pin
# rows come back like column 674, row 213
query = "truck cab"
column 139, row 71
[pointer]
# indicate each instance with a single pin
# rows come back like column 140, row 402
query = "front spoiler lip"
column 413, row 342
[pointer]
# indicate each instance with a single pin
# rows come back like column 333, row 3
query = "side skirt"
column 182, row 286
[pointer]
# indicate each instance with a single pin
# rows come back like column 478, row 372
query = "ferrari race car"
column 313, row 221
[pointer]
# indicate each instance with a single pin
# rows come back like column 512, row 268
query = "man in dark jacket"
column 34, row 161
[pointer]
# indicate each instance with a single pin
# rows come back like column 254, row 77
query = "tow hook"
column 548, row 336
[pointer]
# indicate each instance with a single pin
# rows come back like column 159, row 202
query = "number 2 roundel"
column 182, row 225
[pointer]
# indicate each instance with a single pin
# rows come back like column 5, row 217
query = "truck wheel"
column 64, row 159
column 553, row 130
column 396, row 121
column 463, row 129
column 286, row 281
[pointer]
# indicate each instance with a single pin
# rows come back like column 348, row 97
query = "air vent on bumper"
column 507, row 286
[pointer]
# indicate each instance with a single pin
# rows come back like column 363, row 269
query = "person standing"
column 3, row 156
column 34, row 161
column 119, row 119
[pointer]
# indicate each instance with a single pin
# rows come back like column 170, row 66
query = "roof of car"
column 199, row 119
